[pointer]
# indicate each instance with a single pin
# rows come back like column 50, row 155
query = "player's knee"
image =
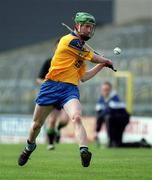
column 52, row 118
column 37, row 126
column 51, row 123
column 77, row 118
column 66, row 121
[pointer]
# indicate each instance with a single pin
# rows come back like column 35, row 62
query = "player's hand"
column 109, row 64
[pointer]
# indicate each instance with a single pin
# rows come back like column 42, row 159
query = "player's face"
column 87, row 29
column 105, row 90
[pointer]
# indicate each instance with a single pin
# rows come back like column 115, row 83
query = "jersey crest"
column 77, row 44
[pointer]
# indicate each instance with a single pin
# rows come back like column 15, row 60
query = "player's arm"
column 100, row 59
column 92, row 72
column 43, row 71
column 77, row 48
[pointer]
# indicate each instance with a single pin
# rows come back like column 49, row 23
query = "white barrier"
column 14, row 129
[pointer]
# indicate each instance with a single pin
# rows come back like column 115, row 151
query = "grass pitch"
column 64, row 163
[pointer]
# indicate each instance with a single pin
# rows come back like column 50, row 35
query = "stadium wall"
column 33, row 21
column 130, row 10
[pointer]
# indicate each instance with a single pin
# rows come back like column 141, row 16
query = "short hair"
column 107, row 83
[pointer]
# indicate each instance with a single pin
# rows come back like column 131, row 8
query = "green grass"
column 64, row 163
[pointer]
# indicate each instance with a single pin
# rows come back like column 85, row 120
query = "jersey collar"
column 74, row 34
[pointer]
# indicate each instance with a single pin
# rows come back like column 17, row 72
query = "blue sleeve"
column 76, row 43
column 100, row 100
column 106, row 110
column 101, row 105
column 115, row 98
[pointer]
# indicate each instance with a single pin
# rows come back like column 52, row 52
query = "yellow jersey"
column 68, row 63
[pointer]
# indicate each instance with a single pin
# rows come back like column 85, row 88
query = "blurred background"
column 29, row 30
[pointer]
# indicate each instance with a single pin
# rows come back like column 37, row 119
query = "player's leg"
column 63, row 119
column 99, row 123
column 39, row 116
column 51, row 131
column 62, row 122
column 73, row 109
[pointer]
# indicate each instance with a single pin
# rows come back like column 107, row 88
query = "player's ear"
column 77, row 27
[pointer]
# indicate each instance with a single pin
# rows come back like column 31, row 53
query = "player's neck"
column 77, row 34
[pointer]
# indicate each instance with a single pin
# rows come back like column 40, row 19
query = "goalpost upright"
column 128, row 76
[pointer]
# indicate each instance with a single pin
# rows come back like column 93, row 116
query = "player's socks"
column 85, row 156
column 30, row 146
column 57, row 136
column 51, row 135
column 59, row 127
column 24, row 156
column 83, row 148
